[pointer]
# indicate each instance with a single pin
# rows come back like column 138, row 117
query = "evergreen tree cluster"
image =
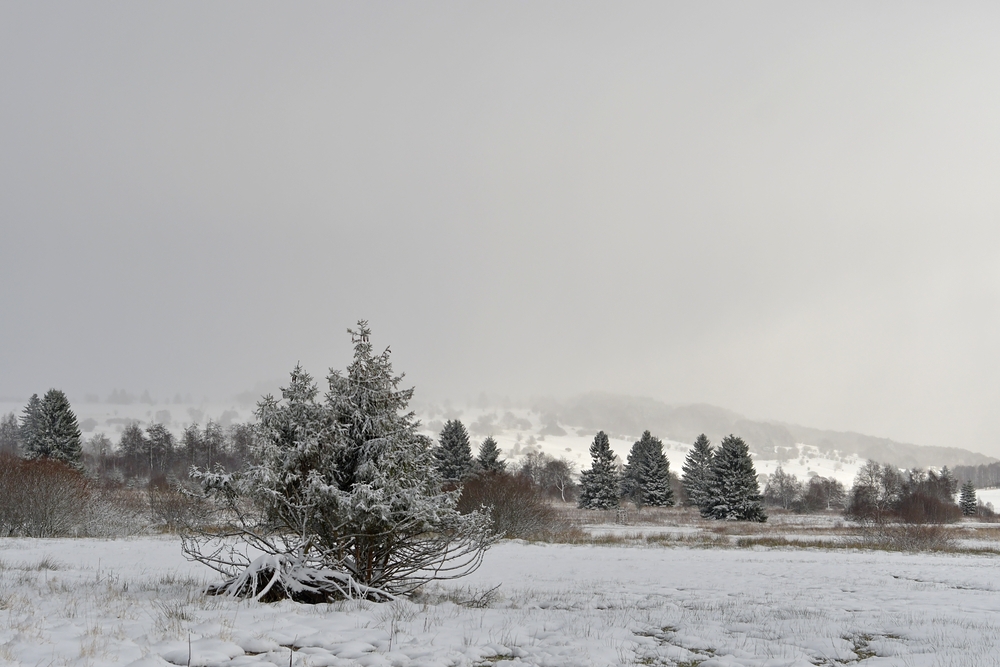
column 645, row 479
column 722, row 483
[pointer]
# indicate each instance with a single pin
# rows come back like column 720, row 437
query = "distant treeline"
column 982, row 476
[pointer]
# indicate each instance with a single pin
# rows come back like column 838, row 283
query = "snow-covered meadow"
column 99, row 602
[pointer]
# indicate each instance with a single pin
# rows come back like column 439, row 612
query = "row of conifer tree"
column 721, row 483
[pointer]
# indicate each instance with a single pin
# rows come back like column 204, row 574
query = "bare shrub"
column 921, row 508
column 517, row 507
column 41, row 498
column 172, row 507
column 906, row 537
column 115, row 510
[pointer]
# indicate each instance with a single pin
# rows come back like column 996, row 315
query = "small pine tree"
column 599, row 486
column 968, row 501
column 697, row 470
column 736, row 494
column 646, row 479
column 31, row 426
column 53, row 430
column 489, row 456
column 453, row 453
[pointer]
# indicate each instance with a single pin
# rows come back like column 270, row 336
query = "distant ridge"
column 629, row 415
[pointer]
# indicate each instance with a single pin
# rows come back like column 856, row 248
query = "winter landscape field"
column 647, row 586
column 138, row 601
column 671, row 334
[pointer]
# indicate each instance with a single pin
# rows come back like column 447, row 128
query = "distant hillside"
column 629, row 415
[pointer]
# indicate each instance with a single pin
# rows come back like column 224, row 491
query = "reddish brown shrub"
column 41, row 498
column 920, row 508
column 517, row 506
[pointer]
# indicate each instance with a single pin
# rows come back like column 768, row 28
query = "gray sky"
column 786, row 209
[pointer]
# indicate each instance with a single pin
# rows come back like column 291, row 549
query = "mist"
column 789, row 210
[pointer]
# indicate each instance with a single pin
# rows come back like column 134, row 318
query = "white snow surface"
column 138, row 602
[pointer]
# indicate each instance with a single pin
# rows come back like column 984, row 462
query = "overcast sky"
column 791, row 210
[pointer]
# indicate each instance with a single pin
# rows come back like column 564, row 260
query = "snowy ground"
column 94, row 602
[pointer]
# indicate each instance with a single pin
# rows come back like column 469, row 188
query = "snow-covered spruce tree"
column 736, row 494
column 646, row 478
column 52, row 430
column 453, row 453
column 600, row 486
column 345, row 501
column 968, row 501
column 697, row 471
column 489, row 456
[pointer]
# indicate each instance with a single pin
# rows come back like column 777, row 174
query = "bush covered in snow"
column 345, row 500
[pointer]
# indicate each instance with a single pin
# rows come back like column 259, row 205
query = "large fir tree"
column 697, row 470
column 599, row 486
column 489, row 456
column 735, row 491
column 453, row 453
column 646, row 479
column 968, row 501
column 52, row 429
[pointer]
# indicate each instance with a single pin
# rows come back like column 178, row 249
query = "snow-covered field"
column 95, row 602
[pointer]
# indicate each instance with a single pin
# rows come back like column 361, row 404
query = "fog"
column 786, row 209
